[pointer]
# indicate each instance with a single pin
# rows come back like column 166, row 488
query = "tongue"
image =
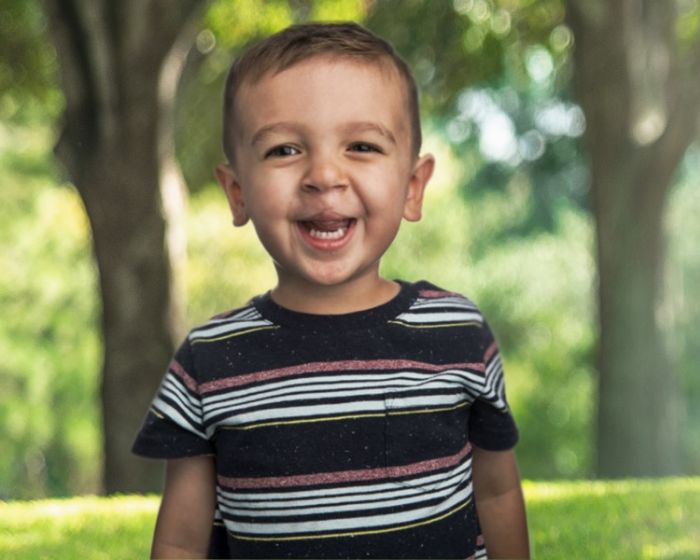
column 328, row 225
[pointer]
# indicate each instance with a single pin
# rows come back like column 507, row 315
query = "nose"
column 324, row 172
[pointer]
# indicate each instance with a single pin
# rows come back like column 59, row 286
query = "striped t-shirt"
column 339, row 436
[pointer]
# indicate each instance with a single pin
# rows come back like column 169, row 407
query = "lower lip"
column 327, row 244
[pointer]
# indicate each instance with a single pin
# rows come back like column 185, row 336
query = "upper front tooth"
column 337, row 234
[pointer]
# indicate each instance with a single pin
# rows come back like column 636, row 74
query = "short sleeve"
column 491, row 424
column 174, row 425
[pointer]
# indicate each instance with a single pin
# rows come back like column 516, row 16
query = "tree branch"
column 683, row 109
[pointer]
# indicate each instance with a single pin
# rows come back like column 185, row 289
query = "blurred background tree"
column 508, row 218
column 637, row 76
column 120, row 65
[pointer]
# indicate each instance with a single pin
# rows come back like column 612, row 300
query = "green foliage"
column 453, row 45
column 48, row 335
column 688, row 23
column 27, row 65
column 242, row 267
column 537, row 295
column 632, row 519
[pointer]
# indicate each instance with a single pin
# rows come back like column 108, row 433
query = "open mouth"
column 327, row 230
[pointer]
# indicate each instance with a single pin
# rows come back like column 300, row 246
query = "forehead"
column 326, row 90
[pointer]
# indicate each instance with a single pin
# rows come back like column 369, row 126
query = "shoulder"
column 431, row 300
column 450, row 322
column 235, row 322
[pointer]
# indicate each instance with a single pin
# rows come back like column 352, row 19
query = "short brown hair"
column 304, row 41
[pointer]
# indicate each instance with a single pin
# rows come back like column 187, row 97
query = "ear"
column 234, row 194
column 422, row 171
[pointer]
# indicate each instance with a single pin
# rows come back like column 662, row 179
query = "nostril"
column 322, row 187
column 309, row 187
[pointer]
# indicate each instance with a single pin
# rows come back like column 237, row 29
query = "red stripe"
column 340, row 477
column 490, row 351
column 188, row 380
column 321, row 367
column 437, row 294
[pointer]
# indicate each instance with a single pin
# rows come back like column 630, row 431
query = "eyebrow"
column 369, row 126
column 271, row 129
column 360, row 126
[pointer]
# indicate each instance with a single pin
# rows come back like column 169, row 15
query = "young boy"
column 341, row 414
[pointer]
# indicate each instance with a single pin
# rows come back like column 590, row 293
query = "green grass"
column 78, row 528
column 636, row 519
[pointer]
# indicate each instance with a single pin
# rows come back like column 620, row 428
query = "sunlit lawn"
column 616, row 520
column 78, row 529
column 568, row 520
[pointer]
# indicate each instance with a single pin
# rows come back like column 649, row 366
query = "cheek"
column 388, row 200
column 265, row 203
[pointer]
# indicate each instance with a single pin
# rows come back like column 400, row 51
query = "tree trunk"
column 639, row 400
column 120, row 63
column 640, row 98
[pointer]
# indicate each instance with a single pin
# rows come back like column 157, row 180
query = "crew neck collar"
column 282, row 316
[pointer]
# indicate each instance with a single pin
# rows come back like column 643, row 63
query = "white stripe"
column 363, row 522
column 366, row 380
column 294, row 511
column 430, row 485
column 443, row 302
column 173, row 414
column 220, row 330
column 193, row 415
column 388, row 392
column 248, row 313
column 306, row 393
column 299, row 412
column 494, row 389
column 439, row 317
column 173, row 381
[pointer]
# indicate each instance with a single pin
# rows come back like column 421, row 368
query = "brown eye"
column 282, row 151
column 364, row 147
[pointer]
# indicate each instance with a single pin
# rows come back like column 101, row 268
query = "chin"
column 329, row 281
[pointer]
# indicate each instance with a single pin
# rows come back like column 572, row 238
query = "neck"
column 335, row 300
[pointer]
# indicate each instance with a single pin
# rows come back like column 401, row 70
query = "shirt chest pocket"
column 425, row 426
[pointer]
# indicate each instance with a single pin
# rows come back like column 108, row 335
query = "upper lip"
column 326, row 216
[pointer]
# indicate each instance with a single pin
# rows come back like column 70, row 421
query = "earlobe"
column 422, row 171
column 234, row 194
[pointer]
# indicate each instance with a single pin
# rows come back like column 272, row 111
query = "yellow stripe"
column 439, row 326
column 356, row 533
column 306, row 421
column 346, row 417
column 428, row 410
column 238, row 333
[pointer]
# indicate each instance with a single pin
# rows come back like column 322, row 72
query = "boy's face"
column 324, row 170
